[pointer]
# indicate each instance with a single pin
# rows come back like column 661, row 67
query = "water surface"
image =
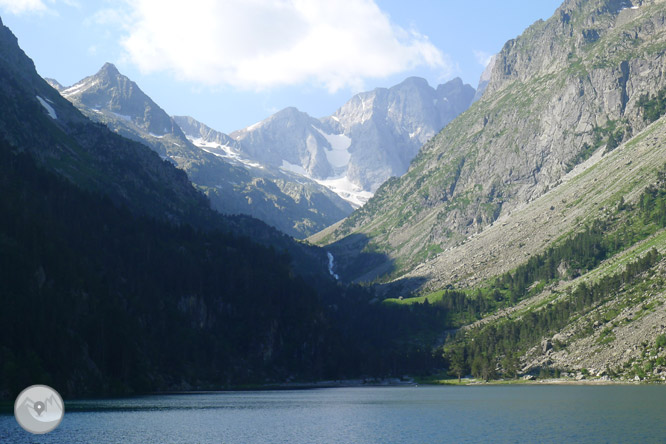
column 497, row 414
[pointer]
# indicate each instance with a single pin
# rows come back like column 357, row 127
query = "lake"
column 424, row 414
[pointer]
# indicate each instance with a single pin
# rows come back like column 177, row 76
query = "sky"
column 231, row 63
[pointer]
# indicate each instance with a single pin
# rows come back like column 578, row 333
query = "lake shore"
column 412, row 382
column 551, row 381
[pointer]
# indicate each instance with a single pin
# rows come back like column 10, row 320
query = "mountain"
column 537, row 219
column 287, row 136
column 117, row 277
column 387, row 127
column 54, row 84
column 234, row 185
column 371, row 138
column 138, row 304
column 205, row 136
column 485, row 79
column 37, row 120
column 547, row 107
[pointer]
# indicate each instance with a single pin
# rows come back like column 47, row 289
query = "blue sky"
column 231, row 63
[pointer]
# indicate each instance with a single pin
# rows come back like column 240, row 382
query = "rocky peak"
column 387, row 127
column 13, row 55
column 451, row 86
column 485, row 78
column 289, row 136
column 412, row 82
column 110, row 91
column 108, row 70
column 580, row 23
column 194, row 130
column 54, row 84
column 291, row 116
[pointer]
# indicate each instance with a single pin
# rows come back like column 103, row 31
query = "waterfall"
column 331, row 262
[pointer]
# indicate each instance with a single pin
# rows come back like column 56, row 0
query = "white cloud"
column 258, row 44
column 33, row 6
column 23, row 6
column 107, row 17
column 483, row 57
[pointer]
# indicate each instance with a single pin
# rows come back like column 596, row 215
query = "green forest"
column 99, row 300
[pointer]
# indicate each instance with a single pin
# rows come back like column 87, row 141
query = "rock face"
column 287, row 136
column 556, row 94
column 374, row 136
column 234, row 185
column 198, row 132
column 485, row 79
column 110, row 91
column 387, row 127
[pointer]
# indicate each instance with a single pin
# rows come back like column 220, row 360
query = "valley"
column 511, row 232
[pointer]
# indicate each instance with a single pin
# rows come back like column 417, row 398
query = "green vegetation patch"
column 653, row 106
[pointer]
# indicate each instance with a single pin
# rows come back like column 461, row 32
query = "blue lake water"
column 426, row 414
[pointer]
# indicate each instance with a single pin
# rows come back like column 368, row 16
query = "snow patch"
column 122, row 116
column 347, row 190
column 254, row 126
column 156, row 136
column 416, row 133
column 203, row 143
column 49, row 109
column 78, row 87
column 224, row 151
column 293, row 168
column 622, row 8
column 339, row 155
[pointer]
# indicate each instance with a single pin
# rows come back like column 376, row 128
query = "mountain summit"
column 113, row 92
column 371, row 138
column 234, row 184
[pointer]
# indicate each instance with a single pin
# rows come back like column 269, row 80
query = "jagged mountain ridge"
column 201, row 134
column 110, row 91
column 369, row 139
column 38, row 120
column 294, row 205
column 557, row 93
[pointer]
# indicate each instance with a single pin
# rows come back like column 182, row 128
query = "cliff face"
column 388, row 126
column 564, row 89
column 371, row 138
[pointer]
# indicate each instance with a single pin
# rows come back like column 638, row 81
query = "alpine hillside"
column 546, row 245
column 566, row 88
